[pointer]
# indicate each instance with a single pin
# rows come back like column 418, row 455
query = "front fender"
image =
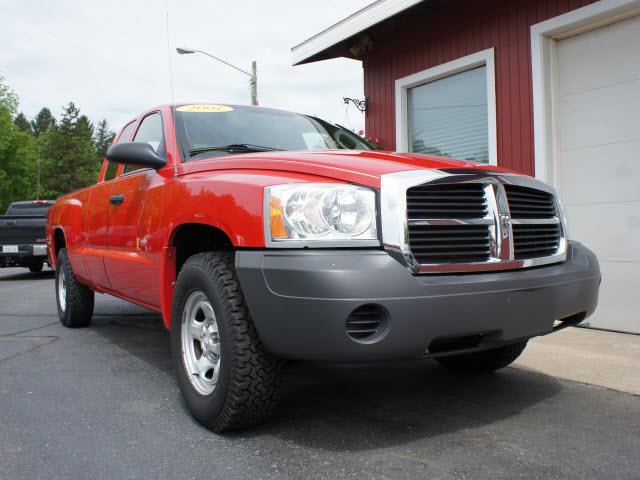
column 231, row 201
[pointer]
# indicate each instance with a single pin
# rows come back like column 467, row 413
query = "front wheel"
column 485, row 361
column 226, row 376
column 75, row 301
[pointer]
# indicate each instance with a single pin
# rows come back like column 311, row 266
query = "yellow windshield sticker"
column 204, row 108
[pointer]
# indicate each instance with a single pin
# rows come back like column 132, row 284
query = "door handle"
column 116, row 199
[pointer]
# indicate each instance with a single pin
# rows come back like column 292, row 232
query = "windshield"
column 209, row 129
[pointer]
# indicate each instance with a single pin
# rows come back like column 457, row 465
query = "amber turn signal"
column 276, row 221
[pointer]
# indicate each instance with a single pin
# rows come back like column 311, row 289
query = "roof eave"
column 316, row 48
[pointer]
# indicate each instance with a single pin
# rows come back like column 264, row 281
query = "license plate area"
column 10, row 249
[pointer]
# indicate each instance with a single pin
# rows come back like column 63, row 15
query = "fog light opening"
column 368, row 323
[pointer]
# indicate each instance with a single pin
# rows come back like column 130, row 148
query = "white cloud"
column 111, row 58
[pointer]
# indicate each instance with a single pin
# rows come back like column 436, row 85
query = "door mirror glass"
column 135, row 154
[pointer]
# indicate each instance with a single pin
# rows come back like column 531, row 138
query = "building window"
column 449, row 110
column 449, row 116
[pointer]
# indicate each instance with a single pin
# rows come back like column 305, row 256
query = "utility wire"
column 36, row 80
column 93, row 101
column 74, row 44
column 51, row 86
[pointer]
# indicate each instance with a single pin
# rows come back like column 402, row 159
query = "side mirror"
column 137, row 154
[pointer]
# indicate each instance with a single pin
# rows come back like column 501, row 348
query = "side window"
column 151, row 132
column 112, row 168
column 110, row 174
column 126, row 133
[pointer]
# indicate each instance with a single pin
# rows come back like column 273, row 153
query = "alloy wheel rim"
column 201, row 353
column 62, row 290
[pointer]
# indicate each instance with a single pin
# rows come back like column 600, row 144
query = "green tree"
column 17, row 154
column 84, row 126
column 68, row 153
column 22, row 123
column 103, row 138
column 43, row 122
column 8, row 98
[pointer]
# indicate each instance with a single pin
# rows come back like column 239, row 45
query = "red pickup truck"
column 262, row 235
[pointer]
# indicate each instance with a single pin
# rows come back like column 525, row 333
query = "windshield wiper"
column 233, row 148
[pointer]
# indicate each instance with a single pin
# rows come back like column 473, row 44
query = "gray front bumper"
column 300, row 301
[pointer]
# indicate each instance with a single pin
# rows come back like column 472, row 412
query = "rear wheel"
column 485, row 361
column 75, row 301
column 226, row 376
column 36, row 267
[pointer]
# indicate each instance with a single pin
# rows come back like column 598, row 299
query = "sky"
column 111, row 58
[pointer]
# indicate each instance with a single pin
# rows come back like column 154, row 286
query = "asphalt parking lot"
column 101, row 402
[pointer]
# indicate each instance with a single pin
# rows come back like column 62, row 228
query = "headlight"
column 320, row 214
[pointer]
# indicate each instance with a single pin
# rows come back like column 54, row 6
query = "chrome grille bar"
column 451, row 234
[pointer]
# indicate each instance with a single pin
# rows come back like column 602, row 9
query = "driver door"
column 131, row 264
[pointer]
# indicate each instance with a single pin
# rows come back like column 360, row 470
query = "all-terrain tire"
column 486, row 361
column 249, row 377
column 75, row 301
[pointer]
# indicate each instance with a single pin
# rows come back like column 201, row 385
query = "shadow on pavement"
column 360, row 408
column 140, row 334
column 355, row 408
column 27, row 275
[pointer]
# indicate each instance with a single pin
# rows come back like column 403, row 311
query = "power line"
column 37, row 80
column 74, row 44
column 52, row 86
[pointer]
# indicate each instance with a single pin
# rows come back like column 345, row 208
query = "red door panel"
column 131, row 263
column 97, row 227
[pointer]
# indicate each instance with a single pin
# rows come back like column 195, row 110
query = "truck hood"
column 356, row 166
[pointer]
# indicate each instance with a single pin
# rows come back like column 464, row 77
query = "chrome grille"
column 449, row 223
column 532, row 241
column 462, row 221
column 527, row 202
column 540, row 237
column 462, row 200
column 450, row 243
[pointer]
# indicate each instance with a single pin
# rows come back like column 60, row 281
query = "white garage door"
column 599, row 164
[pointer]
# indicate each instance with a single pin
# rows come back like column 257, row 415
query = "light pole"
column 253, row 75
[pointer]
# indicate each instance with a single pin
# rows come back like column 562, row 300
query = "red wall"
column 459, row 28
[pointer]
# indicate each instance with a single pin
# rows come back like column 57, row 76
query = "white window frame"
column 479, row 59
column 544, row 74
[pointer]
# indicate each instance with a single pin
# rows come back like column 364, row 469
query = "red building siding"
column 457, row 29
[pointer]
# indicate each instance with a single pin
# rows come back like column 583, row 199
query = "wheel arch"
column 187, row 239
column 59, row 241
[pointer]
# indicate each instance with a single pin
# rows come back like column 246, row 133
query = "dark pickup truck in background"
column 22, row 235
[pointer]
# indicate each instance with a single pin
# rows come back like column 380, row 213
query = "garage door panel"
column 618, row 301
column 599, row 160
column 612, row 231
column 603, row 116
column 611, row 49
column 608, row 173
